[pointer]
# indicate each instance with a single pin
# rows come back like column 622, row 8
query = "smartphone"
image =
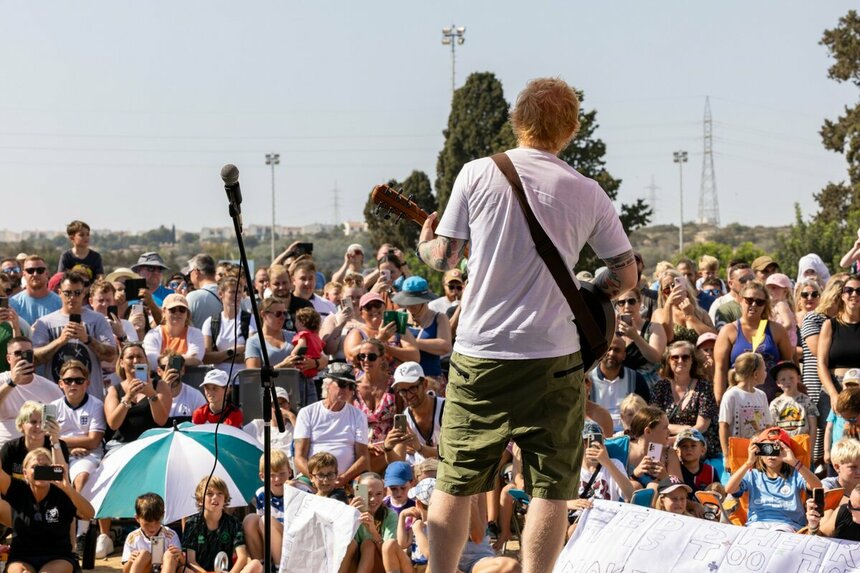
column 4, row 302
column 304, row 249
column 137, row 308
column 385, row 274
column 49, row 412
column 113, row 311
column 655, row 451
column 679, row 281
column 361, row 492
column 156, row 552
column 176, row 362
column 27, row 356
column 301, row 350
column 75, row 318
column 626, row 319
column 48, row 473
column 141, row 372
column 595, row 439
column 400, row 422
column 818, row 499
column 133, row 288
column 346, row 302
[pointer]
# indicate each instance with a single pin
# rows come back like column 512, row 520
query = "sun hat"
column 149, row 259
column 423, row 491
column 122, row 273
column 340, row 371
column 415, row 290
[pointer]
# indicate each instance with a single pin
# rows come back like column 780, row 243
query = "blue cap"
column 414, row 290
column 690, row 434
column 398, row 473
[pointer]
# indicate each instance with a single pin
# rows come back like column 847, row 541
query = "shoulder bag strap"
column 551, row 257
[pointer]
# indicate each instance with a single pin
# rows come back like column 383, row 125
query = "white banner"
column 317, row 531
column 623, row 538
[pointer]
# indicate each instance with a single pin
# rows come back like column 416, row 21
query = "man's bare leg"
column 543, row 536
column 447, row 527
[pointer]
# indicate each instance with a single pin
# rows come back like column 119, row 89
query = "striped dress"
column 812, row 327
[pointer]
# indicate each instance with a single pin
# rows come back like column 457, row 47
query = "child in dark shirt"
column 691, row 447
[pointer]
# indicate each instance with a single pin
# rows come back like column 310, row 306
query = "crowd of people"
column 90, row 360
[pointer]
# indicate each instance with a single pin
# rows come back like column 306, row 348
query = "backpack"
column 244, row 326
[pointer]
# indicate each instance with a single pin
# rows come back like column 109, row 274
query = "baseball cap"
column 778, row 279
column 690, row 434
column 149, row 259
column 340, row 371
column 282, row 393
column 173, row 300
column 55, row 281
column 408, row 372
column 670, row 484
column 763, row 262
column 852, row 375
column 454, row 275
column 703, row 338
column 368, row 298
column 782, row 365
column 355, row 248
column 398, row 473
column 423, row 490
column 216, row 377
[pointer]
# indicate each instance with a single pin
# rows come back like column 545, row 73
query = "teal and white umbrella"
column 171, row 462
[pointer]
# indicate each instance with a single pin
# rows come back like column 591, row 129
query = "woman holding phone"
column 35, row 434
column 41, row 514
column 650, row 458
column 399, row 347
column 645, row 339
column 678, row 310
column 373, row 396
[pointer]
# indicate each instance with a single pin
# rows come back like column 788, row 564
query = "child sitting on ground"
column 213, row 531
column 398, row 481
column 137, row 552
column 847, row 408
column 253, row 524
column 308, row 323
column 793, row 410
column 691, row 447
column 323, row 469
column 376, row 537
column 775, row 483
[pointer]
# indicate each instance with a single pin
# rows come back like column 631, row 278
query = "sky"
column 122, row 113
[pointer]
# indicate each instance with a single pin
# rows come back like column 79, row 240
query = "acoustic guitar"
column 390, row 202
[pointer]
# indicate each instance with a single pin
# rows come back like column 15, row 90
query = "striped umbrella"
column 170, row 462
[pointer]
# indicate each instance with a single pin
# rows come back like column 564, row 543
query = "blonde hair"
column 832, row 294
column 425, row 469
column 812, row 283
column 661, row 268
column 633, row 402
column 35, row 455
column 215, row 483
column 28, row 408
column 745, row 367
column 546, row 114
column 709, row 263
column 845, row 450
column 689, row 290
column 279, row 461
column 758, row 286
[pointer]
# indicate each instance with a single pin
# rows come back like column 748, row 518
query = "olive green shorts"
column 538, row 403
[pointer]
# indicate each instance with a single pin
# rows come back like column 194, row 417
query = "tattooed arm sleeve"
column 620, row 276
column 441, row 253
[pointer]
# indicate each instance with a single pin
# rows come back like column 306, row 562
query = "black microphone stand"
column 267, row 374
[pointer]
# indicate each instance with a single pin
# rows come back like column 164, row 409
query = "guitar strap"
column 552, row 259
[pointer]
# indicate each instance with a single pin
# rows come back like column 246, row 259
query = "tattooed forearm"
column 441, row 253
column 610, row 281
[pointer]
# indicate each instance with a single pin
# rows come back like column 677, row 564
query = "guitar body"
column 602, row 311
column 390, row 201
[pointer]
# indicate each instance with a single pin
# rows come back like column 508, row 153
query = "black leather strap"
column 552, row 258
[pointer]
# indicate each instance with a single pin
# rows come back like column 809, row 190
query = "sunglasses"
column 79, row 381
column 681, row 357
column 369, row 357
column 713, row 292
column 850, row 290
column 746, row 279
column 36, row 270
column 177, row 310
column 11, row 271
column 627, row 301
column 454, row 286
column 344, row 384
column 71, row 293
column 752, row 301
column 813, row 294
column 277, row 313
column 852, row 508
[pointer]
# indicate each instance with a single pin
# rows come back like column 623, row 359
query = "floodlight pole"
column 680, row 157
column 273, row 159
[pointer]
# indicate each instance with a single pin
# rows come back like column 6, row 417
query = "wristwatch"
column 10, row 383
column 153, row 398
column 231, row 353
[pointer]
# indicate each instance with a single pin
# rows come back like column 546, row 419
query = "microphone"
column 230, row 175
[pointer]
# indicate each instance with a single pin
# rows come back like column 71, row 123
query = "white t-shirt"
column 39, row 389
column 604, row 487
column 137, row 541
column 226, row 339
column 152, row 344
column 609, row 394
column 188, row 400
column 80, row 421
column 332, row 432
column 746, row 413
column 513, row 308
column 280, row 441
